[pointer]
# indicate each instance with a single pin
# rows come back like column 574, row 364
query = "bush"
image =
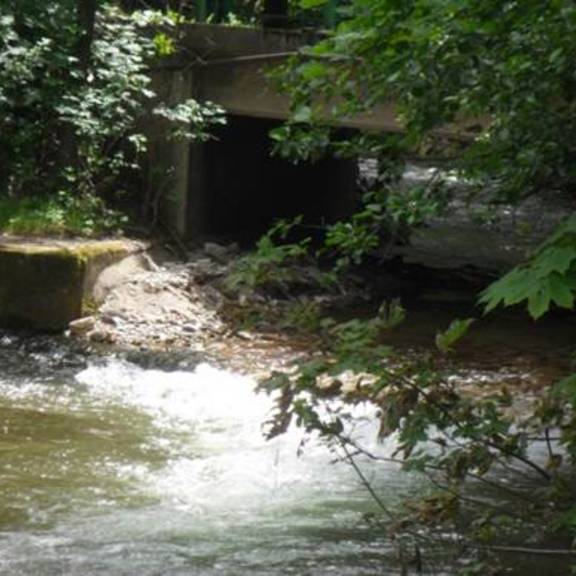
column 75, row 127
column 59, row 215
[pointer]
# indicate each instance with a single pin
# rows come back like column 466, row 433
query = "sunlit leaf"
column 446, row 340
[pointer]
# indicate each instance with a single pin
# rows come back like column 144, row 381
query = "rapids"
column 118, row 470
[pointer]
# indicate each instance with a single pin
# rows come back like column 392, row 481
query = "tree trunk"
column 85, row 21
column 86, row 18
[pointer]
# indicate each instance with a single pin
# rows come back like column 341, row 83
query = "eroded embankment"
column 159, row 304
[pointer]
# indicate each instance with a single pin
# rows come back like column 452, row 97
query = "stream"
column 111, row 468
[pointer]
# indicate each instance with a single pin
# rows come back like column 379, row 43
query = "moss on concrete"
column 44, row 284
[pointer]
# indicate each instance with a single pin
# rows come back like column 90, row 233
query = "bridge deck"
column 229, row 66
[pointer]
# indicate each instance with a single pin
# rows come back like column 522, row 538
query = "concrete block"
column 45, row 284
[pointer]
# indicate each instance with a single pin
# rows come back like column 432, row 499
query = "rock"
column 111, row 319
column 120, row 273
column 6, row 341
column 221, row 254
column 82, row 325
column 101, row 335
column 148, row 263
column 211, row 298
column 243, row 335
column 205, row 270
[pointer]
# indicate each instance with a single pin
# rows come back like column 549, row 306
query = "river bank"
column 162, row 304
column 146, row 415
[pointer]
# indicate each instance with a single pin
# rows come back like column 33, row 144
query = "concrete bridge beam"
column 170, row 165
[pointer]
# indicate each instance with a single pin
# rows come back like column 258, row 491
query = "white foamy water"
column 123, row 470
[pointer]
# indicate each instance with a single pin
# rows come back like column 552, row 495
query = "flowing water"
column 109, row 468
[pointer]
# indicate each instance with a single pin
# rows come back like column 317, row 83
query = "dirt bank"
column 154, row 302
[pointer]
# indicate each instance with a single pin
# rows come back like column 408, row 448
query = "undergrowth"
column 62, row 214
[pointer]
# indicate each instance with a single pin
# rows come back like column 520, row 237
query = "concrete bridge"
column 232, row 185
column 229, row 65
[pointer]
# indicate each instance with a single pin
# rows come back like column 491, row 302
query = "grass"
column 58, row 215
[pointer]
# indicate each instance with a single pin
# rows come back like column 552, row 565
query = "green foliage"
column 296, row 142
column 498, row 77
column 455, row 332
column 412, row 207
column 387, row 215
column 561, row 409
column 352, row 239
column 66, row 127
column 506, row 63
column 164, row 45
column 549, row 277
column 496, row 74
column 189, row 113
column 60, row 215
column 270, row 265
column 304, row 316
column 447, row 434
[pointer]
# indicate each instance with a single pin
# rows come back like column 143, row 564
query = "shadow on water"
column 506, row 339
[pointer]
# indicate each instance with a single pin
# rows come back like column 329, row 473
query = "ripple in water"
column 130, row 471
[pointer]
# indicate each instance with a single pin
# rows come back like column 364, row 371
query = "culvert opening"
column 245, row 189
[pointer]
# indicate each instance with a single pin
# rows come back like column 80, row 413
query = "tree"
column 509, row 65
column 83, row 68
column 86, row 16
column 506, row 63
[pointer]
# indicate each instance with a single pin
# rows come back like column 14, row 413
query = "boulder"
column 82, row 326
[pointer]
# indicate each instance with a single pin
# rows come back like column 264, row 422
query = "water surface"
column 118, row 470
column 111, row 468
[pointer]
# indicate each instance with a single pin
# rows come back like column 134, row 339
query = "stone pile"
column 157, row 305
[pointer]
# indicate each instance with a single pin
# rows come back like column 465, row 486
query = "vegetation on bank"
column 504, row 70
column 464, row 440
column 75, row 89
column 59, row 215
